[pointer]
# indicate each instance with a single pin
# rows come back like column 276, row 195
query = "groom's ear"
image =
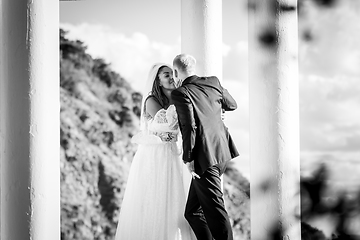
column 176, row 73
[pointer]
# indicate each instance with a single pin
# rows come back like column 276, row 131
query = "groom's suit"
column 207, row 142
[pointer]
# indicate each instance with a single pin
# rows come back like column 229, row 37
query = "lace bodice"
column 164, row 120
column 163, row 126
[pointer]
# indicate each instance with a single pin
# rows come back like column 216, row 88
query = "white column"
column 29, row 129
column 201, row 37
column 201, row 34
column 274, row 118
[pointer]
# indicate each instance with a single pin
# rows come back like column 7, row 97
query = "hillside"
column 99, row 115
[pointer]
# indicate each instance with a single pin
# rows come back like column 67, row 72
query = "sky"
column 133, row 34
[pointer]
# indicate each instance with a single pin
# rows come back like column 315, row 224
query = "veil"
column 147, row 91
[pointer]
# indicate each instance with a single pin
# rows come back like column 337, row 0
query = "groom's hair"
column 185, row 62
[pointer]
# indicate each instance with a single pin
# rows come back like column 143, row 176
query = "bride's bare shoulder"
column 152, row 106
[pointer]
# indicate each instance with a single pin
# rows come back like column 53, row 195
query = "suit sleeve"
column 185, row 112
column 228, row 103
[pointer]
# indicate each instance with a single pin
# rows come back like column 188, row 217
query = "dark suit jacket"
column 206, row 140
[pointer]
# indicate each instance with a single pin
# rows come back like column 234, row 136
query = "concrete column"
column 274, row 119
column 201, row 34
column 30, row 113
column 201, row 37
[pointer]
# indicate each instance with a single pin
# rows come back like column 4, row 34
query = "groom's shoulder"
column 213, row 80
column 209, row 78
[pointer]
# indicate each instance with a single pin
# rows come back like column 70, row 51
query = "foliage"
column 342, row 208
column 95, row 142
column 237, row 201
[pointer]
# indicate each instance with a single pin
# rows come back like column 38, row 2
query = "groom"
column 207, row 147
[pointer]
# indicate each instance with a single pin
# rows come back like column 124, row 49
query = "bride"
column 154, row 199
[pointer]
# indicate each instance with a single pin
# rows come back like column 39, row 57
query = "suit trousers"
column 205, row 210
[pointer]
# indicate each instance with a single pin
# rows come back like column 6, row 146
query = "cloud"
column 131, row 56
column 336, row 34
column 329, row 115
column 329, row 80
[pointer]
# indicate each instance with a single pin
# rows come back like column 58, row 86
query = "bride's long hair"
column 156, row 91
column 153, row 88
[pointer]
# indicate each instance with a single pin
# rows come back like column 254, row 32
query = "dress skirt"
column 154, row 198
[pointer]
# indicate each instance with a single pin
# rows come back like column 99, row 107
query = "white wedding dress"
column 154, row 200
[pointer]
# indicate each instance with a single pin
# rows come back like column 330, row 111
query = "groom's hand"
column 191, row 168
